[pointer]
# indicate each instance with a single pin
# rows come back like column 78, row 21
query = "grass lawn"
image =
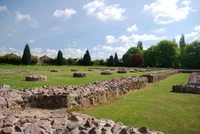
column 155, row 107
column 64, row 77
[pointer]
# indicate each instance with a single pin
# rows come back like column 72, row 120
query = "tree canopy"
column 139, row 45
column 87, row 59
column 59, row 59
column 26, row 57
column 127, row 56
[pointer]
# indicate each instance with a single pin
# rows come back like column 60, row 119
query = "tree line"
column 165, row 53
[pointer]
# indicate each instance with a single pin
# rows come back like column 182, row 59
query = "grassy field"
column 155, row 107
column 10, row 75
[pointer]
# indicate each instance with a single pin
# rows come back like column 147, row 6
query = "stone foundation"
column 153, row 78
column 36, row 77
column 193, row 85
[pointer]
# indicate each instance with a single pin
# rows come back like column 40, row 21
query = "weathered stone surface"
column 106, row 73
column 36, row 77
column 79, row 75
column 193, row 85
column 53, row 70
column 153, row 78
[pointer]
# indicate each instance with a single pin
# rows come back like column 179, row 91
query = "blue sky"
column 101, row 26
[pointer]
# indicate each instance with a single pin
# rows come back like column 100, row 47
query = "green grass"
column 155, row 107
column 64, row 77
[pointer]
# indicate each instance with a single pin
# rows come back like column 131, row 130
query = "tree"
column 182, row 43
column 191, row 55
column 139, row 45
column 116, row 60
column 87, row 59
column 167, row 54
column 110, row 61
column 150, row 56
column 127, row 56
column 26, row 57
column 136, row 60
column 59, row 59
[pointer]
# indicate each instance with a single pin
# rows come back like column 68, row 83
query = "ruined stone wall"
column 69, row 96
column 85, row 96
column 153, row 78
column 193, row 85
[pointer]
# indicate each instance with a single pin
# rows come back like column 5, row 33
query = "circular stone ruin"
column 106, row 73
column 122, row 71
column 79, row 75
column 36, row 77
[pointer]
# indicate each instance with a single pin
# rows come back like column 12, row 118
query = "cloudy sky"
column 102, row 26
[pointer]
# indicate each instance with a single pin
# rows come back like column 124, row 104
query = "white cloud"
column 104, row 12
column 64, row 14
column 25, row 17
column 5, row 50
column 51, row 52
column 73, row 52
column 160, row 30
column 133, row 28
column 167, row 11
column 3, row 8
column 135, row 38
column 190, row 35
column 197, row 28
column 110, row 39
column 31, row 41
column 36, row 51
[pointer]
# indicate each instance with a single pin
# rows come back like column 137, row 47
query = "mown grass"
column 64, row 77
column 155, row 107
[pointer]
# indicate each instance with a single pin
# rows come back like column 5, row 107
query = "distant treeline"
column 165, row 53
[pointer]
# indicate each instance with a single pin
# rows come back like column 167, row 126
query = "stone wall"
column 69, row 96
column 153, row 78
column 186, row 88
column 189, row 70
column 85, row 96
column 193, row 85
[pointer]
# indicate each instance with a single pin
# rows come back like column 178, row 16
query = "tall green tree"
column 182, row 43
column 191, row 55
column 26, row 57
column 87, row 59
column 150, row 56
column 110, row 61
column 59, row 59
column 127, row 56
column 167, row 54
column 139, row 45
column 116, row 60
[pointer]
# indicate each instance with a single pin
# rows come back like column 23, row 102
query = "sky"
column 101, row 26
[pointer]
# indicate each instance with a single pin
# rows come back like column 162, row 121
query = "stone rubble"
column 193, row 85
column 54, row 97
column 40, row 122
column 36, row 77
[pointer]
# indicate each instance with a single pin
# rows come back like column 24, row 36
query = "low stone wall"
column 193, row 85
column 69, row 96
column 36, row 77
column 85, row 96
column 189, row 70
column 153, row 78
column 194, row 79
column 186, row 89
